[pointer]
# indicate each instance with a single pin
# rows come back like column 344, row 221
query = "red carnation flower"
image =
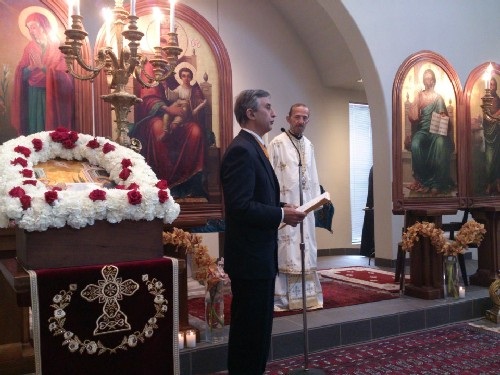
column 25, row 202
column 120, row 187
column 162, row 184
column 73, row 136
column 57, row 188
column 134, row 197
column 65, row 137
column 28, row 173
column 133, row 186
column 97, row 195
column 59, row 134
column 68, row 144
column 125, row 173
column 37, row 144
column 108, row 147
column 126, row 163
column 30, row 182
column 17, row 192
column 22, row 162
column 93, row 144
column 162, row 196
column 23, row 150
column 51, row 196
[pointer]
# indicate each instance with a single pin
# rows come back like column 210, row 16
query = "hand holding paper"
column 313, row 204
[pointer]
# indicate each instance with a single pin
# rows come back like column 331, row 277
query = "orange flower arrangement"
column 209, row 271
column 470, row 232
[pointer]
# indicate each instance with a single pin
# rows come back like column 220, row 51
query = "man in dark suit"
column 253, row 213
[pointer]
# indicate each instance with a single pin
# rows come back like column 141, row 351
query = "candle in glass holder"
column 181, row 340
column 461, row 292
column 190, row 338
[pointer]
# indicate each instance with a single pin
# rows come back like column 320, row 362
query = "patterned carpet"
column 335, row 294
column 367, row 276
column 458, row 349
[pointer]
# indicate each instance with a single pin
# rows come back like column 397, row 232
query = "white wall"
column 266, row 53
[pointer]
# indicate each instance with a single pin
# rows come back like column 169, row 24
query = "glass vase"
column 450, row 276
column 214, row 311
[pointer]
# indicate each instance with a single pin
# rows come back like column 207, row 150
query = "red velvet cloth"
column 107, row 309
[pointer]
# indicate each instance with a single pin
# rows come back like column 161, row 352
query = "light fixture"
column 120, row 62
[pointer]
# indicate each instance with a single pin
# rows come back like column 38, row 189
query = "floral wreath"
column 62, row 300
column 33, row 206
column 470, row 232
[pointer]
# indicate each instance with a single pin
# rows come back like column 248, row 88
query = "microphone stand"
column 305, row 369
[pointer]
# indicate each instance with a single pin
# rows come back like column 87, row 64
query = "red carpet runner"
column 120, row 318
column 367, row 276
column 335, row 294
column 459, row 349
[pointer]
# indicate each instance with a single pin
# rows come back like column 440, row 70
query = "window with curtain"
column 361, row 160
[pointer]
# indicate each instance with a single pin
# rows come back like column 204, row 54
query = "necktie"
column 263, row 147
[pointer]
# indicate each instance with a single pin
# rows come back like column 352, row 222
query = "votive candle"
column 191, row 339
column 461, row 292
column 181, row 340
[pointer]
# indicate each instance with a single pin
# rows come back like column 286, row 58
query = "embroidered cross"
column 109, row 291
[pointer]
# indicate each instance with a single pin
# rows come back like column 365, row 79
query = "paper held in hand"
column 313, row 204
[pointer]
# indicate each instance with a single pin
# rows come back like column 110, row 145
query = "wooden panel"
column 100, row 243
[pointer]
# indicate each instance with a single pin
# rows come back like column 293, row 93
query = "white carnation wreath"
column 34, row 206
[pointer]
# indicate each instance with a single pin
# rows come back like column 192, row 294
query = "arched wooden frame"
column 402, row 201
column 192, row 214
column 473, row 93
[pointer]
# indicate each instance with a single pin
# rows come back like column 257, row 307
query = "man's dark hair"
column 247, row 99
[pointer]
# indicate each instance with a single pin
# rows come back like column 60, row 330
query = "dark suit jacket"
column 252, row 208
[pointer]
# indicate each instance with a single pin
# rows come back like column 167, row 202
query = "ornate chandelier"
column 121, row 61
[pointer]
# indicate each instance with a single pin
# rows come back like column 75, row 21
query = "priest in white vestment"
column 285, row 152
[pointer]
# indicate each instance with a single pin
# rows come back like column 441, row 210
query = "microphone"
column 283, row 130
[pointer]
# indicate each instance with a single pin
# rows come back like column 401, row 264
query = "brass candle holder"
column 121, row 64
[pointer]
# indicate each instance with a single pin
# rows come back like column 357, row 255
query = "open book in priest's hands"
column 312, row 205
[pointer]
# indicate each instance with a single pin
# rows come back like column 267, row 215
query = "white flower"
column 59, row 313
column 73, row 346
column 148, row 332
column 91, row 347
column 159, row 299
column 76, row 208
column 132, row 341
